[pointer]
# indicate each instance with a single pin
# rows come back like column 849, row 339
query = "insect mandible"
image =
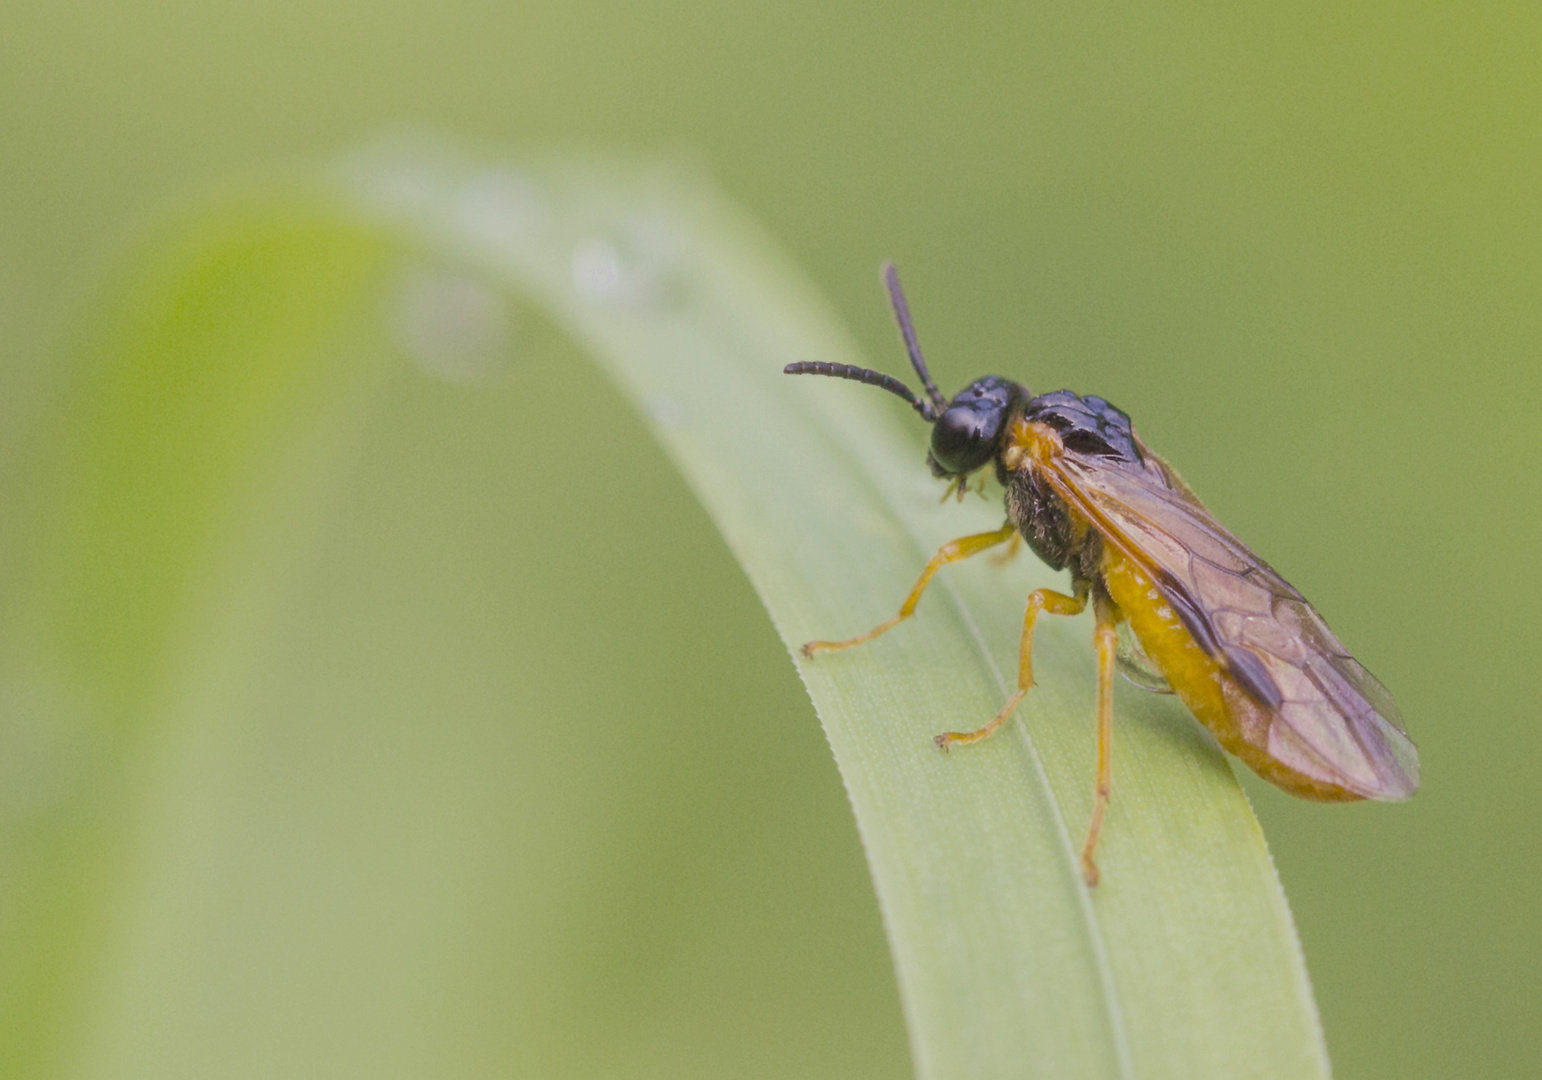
column 1211, row 622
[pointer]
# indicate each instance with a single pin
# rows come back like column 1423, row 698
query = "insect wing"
column 1327, row 716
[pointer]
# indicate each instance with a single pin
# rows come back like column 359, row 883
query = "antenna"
column 864, row 375
column 908, row 332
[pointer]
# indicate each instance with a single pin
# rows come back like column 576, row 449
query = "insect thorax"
column 1086, row 425
column 1050, row 528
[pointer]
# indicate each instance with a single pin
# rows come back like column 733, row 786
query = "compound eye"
column 964, row 437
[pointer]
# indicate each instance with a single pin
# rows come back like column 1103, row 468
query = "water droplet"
column 403, row 173
column 500, row 208
column 634, row 264
column 597, row 269
column 451, row 325
column 665, row 410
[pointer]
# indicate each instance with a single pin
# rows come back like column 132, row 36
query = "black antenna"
column 908, row 332
column 864, row 375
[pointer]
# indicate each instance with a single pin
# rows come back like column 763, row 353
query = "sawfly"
column 1210, row 621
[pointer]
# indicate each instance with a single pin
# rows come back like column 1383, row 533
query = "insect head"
column 967, row 432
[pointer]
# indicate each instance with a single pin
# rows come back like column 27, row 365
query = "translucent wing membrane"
column 1316, row 709
column 1136, row 666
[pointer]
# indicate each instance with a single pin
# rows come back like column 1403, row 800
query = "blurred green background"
column 594, row 830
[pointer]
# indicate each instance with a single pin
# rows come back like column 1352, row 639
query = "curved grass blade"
column 1184, row 962
column 216, row 365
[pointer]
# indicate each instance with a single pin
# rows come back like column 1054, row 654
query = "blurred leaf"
column 1184, row 962
column 203, row 374
column 333, row 737
column 215, row 651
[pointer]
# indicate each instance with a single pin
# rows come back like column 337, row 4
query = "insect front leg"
column 1055, row 603
column 1107, row 640
column 952, row 551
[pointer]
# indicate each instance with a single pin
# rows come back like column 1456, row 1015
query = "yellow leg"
column 952, row 551
column 1013, row 547
column 1039, row 600
column 960, row 486
column 1108, row 643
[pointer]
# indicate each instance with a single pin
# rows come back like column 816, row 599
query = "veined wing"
column 1329, row 718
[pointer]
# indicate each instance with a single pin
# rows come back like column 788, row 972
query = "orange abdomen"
column 1216, row 699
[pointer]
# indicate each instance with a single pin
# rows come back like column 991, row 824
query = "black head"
column 968, row 430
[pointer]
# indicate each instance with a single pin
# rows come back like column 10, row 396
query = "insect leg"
column 1013, row 547
column 1107, row 641
column 952, row 551
column 1039, row 600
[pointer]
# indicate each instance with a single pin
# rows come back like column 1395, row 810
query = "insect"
column 1211, row 622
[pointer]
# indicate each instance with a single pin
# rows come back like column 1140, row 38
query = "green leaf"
column 264, row 797
column 214, row 367
column 1184, row 962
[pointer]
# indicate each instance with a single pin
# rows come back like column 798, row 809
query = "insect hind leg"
column 1056, row 603
column 952, row 551
column 1107, row 640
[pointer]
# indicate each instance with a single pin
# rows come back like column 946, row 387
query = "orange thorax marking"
column 1031, row 441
